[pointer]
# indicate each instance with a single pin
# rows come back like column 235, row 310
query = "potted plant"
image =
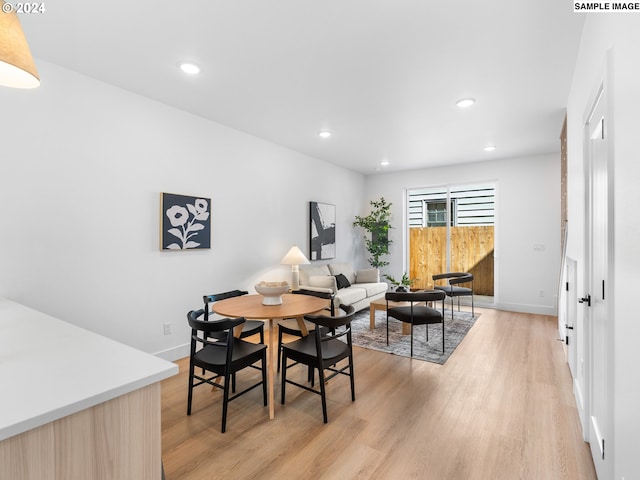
column 402, row 285
column 377, row 224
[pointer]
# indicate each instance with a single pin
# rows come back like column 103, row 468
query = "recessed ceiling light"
column 324, row 134
column 190, row 68
column 489, row 148
column 465, row 102
column 384, row 163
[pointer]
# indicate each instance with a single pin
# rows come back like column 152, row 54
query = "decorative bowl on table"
column 272, row 292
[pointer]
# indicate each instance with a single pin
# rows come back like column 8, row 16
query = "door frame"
column 602, row 454
column 448, row 187
column 571, row 314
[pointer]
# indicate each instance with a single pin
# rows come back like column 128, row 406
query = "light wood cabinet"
column 76, row 405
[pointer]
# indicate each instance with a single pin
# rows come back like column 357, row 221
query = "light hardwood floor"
column 500, row 408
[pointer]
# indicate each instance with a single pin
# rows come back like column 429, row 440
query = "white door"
column 597, row 320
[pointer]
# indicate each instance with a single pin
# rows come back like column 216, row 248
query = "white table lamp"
column 294, row 257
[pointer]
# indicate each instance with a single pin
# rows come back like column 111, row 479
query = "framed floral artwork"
column 185, row 222
column 322, row 230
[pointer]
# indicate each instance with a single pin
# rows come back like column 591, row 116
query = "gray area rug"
column 431, row 351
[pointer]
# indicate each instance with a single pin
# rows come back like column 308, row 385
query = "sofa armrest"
column 369, row 275
column 316, row 289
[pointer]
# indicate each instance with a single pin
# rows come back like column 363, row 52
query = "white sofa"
column 364, row 285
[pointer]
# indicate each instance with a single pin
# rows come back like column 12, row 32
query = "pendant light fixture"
column 17, row 68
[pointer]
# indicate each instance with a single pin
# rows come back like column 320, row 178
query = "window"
column 436, row 213
column 469, row 205
column 451, row 229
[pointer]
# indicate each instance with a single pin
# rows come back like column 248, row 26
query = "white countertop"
column 50, row 369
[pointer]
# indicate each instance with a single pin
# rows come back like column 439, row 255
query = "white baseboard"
column 577, row 393
column 174, row 353
column 487, row 302
column 522, row 308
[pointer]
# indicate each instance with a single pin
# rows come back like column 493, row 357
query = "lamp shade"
column 16, row 64
column 294, row 257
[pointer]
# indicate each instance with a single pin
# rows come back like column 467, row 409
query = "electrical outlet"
column 167, row 329
column 542, row 293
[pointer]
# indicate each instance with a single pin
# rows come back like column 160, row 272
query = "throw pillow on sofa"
column 369, row 275
column 343, row 268
column 342, row 281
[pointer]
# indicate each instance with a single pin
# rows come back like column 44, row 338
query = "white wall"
column 82, row 168
column 528, row 213
column 620, row 36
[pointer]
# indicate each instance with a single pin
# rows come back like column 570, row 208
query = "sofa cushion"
column 306, row 272
column 350, row 295
column 342, row 281
column 370, row 275
column 345, row 269
column 373, row 288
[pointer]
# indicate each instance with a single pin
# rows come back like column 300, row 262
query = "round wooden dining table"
column 251, row 307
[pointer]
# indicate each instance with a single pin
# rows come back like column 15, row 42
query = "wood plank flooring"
column 500, row 408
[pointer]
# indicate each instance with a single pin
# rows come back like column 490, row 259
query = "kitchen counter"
column 51, row 370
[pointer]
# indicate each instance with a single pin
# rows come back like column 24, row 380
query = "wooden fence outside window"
column 471, row 251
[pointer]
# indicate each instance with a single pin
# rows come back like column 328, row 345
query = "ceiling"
column 382, row 75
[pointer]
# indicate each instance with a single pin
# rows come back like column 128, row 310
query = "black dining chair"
column 453, row 289
column 224, row 355
column 328, row 344
column 290, row 325
column 417, row 312
column 249, row 328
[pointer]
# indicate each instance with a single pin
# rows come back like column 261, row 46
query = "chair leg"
column 279, row 347
column 412, row 340
column 323, row 392
column 451, row 306
column 190, row 397
column 264, row 376
column 472, row 312
column 283, row 378
column 353, row 384
column 442, row 334
column 387, row 328
column 225, row 401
